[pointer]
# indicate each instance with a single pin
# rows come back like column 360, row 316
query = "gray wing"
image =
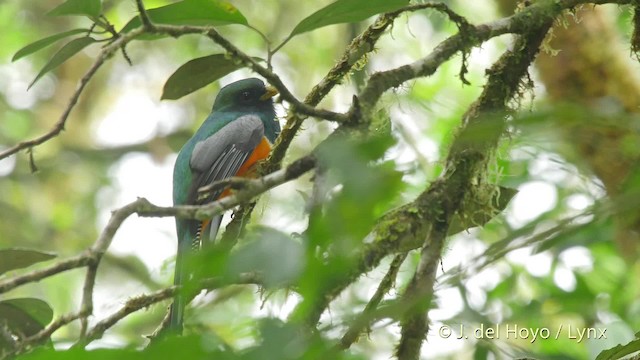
column 221, row 155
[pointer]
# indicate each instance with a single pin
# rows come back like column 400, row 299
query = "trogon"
column 235, row 136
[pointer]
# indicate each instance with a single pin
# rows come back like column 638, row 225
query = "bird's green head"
column 250, row 96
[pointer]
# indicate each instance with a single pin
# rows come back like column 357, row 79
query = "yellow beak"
column 269, row 93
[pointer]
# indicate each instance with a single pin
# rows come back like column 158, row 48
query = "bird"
column 237, row 134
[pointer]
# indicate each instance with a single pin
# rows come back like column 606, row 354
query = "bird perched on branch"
column 235, row 136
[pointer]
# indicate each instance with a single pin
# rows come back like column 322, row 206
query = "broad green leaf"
column 368, row 188
column 178, row 347
column 90, row 8
column 192, row 12
column 620, row 351
column 278, row 340
column 12, row 259
column 196, row 74
column 67, row 51
column 43, row 43
column 346, row 11
column 25, row 315
column 274, row 254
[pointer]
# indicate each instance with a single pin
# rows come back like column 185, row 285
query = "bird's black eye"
column 246, row 95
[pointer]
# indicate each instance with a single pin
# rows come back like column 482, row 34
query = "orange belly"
column 247, row 169
column 260, row 153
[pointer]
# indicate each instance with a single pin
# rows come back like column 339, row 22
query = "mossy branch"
column 424, row 222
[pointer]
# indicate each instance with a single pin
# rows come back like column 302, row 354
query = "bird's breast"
column 260, row 153
column 248, row 168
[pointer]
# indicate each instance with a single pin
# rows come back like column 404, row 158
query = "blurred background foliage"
column 572, row 153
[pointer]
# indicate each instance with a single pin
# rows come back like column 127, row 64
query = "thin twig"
column 144, row 208
column 254, row 188
column 37, row 275
column 364, row 319
column 271, row 77
column 87, row 294
column 143, row 301
column 144, row 17
column 499, row 249
column 60, row 124
column 132, row 305
column 97, row 251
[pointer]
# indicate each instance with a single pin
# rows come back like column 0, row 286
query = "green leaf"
column 67, row 51
column 43, row 43
column 274, row 254
column 12, row 259
column 192, row 12
column 181, row 347
column 346, row 11
column 25, row 315
column 620, row 351
column 369, row 187
column 196, row 74
column 90, row 8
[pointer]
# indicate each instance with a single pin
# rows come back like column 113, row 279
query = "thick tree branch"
column 414, row 326
column 518, row 23
column 465, row 163
column 530, row 18
column 356, row 50
column 407, row 227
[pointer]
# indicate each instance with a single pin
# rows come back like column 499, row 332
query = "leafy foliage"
column 192, row 12
column 196, row 74
column 620, row 351
column 12, row 259
column 67, row 51
column 90, row 8
column 555, row 269
column 23, row 317
column 43, row 43
column 345, row 11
